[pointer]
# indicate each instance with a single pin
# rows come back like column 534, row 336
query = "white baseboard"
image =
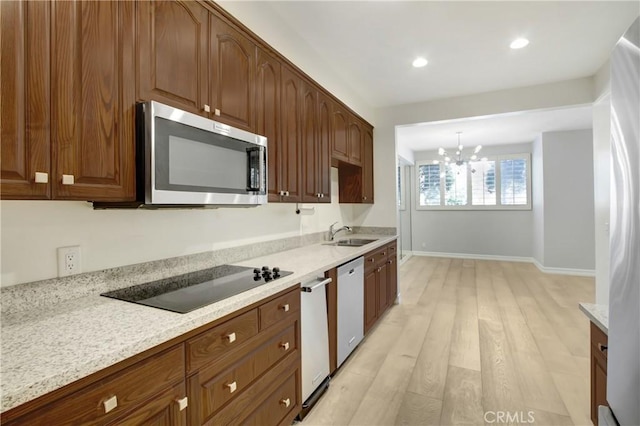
column 473, row 256
column 565, row 271
column 406, row 255
column 559, row 271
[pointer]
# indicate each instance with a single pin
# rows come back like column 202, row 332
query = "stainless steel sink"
column 351, row 242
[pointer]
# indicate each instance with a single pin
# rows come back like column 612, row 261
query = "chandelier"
column 458, row 158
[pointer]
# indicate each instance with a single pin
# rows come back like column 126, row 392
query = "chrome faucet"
column 333, row 233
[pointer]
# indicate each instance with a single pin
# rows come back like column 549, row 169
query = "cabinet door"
column 268, row 116
column 324, row 148
column 370, row 299
column 367, row 166
column 383, row 288
column 24, row 106
column 162, row 410
column 355, row 141
column 310, row 151
column 392, row 279
column 93, row 98
column 291, row 134
column 172, row 43
column 232, row 76
column 340, row 122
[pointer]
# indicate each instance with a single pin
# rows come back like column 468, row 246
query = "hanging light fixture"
column 458, row 158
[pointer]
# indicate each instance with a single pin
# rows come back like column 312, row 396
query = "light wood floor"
column 470, row 337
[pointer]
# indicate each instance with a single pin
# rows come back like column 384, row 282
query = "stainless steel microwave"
column 185, row 160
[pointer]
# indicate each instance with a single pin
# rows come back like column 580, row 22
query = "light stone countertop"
column 45, row 349
column 597, row 314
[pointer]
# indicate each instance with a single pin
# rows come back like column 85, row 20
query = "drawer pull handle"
column 231, row 337
column 110, row 404
column 68, row 180
column 232, row 387
column 42, row 177
column 285, row 346
column 285, row 402
column 384, row 253
column 182, row 403
column 285, row 307
column 372, row 260
column 603, row 348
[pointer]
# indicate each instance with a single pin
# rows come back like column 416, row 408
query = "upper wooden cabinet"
column 268, row 116
column 355, row 140
column 24, row 105
column 290, row 144
column 173, row 60
column 232, row 71
column 69, row 119
column 340, row 124
column 367, row 165
column 93, row 99
column 323, row 147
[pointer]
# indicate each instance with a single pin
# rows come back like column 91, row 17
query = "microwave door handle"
column 256, row 166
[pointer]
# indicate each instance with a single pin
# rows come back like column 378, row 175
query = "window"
column 501, row 182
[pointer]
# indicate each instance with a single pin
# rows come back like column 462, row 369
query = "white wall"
column 569, row 240
column 537, row 199
column 32, row 230
column 487, row 233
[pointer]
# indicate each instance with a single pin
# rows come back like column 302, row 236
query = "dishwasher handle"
column 324, row 281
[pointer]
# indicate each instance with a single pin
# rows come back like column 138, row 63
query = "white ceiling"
column 371, row 44
column 493, row 130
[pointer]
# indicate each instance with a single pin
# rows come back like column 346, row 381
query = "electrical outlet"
column 69, row 261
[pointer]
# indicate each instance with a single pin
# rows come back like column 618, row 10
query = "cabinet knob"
column 183, row 403
column 232, row 387
column 68, row 180
column 603, row 348
column 364, row 198
column 285, row 402
column 216, row 112
column 372, row 260
column 379, row 269
column 110, row 404
column 41, row 177
column 285, row 307
column 384, row 253
column 231, row 337
column 287, row 193
column 206, row 108
column 285, row 346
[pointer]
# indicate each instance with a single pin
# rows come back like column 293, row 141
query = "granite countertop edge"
column 597, row 314
column 44, row 350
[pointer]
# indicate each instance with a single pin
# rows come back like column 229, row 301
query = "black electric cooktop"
column 187, row 292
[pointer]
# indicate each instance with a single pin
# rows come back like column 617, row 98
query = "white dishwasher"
column 350, row 307
column 315, row 342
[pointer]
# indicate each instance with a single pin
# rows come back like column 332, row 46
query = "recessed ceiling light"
column 420, row 62
column 519, row 43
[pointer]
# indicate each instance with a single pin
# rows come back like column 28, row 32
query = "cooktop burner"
column 187, row 292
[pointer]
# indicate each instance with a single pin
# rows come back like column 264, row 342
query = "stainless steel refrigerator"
column 623, row 361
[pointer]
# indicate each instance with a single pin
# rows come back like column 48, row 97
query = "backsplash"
column 44, row 293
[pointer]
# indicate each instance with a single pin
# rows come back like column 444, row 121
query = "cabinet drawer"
column 375, row 258
column 113, row 396
column 238, row 408
column 220, row 340
column 280, row 308
column 225, row 386
column 392, row 248
column 599, row 342
column 277, row 406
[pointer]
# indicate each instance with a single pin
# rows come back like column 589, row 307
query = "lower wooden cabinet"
column 244, row 368
column 599, row 341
